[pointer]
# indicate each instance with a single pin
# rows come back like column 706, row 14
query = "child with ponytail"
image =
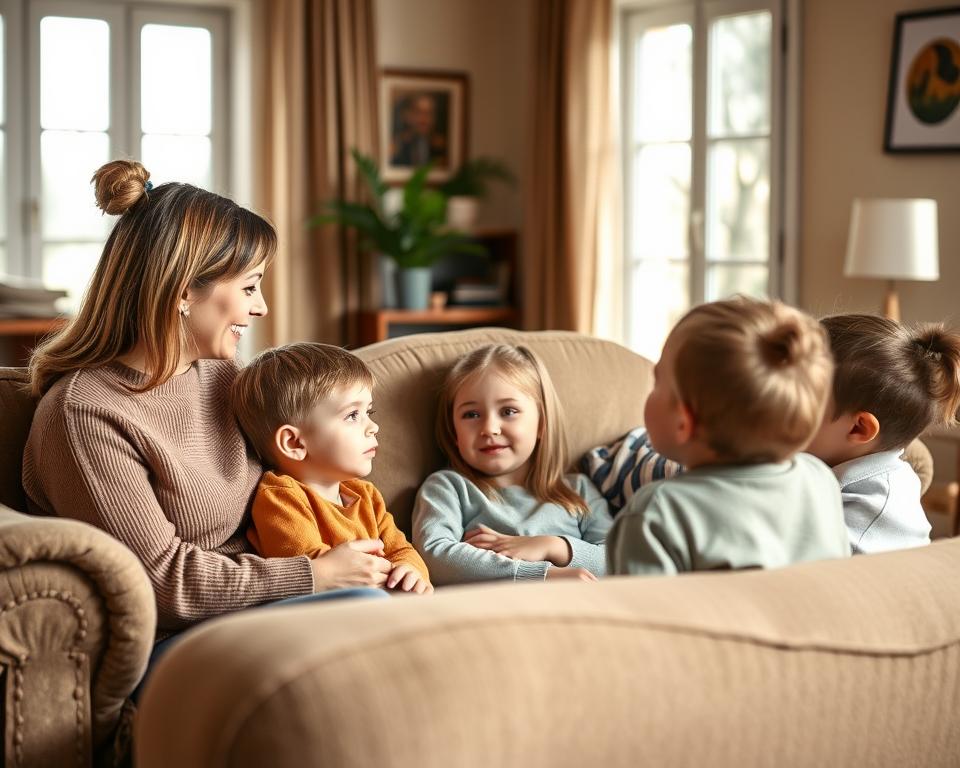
column 891, row 383
column 740, row 388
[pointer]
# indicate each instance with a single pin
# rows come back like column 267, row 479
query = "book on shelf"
column 476, row 293
column 25, row 297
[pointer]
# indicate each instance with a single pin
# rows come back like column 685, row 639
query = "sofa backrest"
column 16, row 413
column 601, row 385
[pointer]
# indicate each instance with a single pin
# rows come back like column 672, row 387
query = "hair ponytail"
column 938, row 353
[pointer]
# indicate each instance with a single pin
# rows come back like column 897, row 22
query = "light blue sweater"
column 725, row 517
column 448, row 505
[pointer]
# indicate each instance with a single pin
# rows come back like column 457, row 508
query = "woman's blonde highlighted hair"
column 523, row 369
column 756, row 375
column 167, row 240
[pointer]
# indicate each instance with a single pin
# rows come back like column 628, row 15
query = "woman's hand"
column 553, row 549
column 581, row 574
column 351, row 564
column 406, row 578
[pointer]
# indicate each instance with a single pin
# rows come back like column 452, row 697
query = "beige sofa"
column 833, row 663
column 841, row 663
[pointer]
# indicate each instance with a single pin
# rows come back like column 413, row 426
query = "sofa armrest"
column 918, row 456
column 77, row 622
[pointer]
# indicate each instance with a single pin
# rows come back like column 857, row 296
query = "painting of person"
column 420, row 129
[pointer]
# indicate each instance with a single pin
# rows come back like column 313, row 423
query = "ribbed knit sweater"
column 166, row 472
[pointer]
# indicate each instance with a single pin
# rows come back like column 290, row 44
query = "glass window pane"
column 175, row 85
column 74, row 74
column 659, row 296
column 3, row 185
column 178, row 158
column 739, row 77
column 70, row 266
column 67, row 162
column 725, row 280
column 663, row 87
column 738, row 200
column 3, row 78
column 661, row 202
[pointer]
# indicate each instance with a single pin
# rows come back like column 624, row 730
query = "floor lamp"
column 893, row 239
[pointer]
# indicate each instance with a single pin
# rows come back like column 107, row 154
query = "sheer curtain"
column 572, row 185
column 319, row 78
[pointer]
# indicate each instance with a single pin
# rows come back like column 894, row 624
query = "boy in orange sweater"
column 306, row 408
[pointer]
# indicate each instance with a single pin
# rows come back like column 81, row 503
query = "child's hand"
column 406, row 578
column 533, row 548
column 351, row 564
column 571, row 573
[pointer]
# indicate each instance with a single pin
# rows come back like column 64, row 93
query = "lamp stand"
column 891, row 303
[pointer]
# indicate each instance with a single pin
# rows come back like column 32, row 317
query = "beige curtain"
column 571, row 188
column 320, row 83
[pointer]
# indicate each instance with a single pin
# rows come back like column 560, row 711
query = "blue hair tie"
column 148, row 186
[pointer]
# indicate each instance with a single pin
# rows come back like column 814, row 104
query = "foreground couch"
column 840, row 663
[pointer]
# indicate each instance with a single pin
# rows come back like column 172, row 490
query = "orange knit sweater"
column 290, row 518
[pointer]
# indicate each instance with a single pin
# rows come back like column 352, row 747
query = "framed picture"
column 923, row 104
column 423, row 118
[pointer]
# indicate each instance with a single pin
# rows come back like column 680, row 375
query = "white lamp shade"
column 893, row 239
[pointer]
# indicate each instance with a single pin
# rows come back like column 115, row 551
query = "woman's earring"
column 185, row 310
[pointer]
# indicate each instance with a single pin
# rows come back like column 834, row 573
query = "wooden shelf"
column 19, row 335
column 29, row 326
column 377, row 325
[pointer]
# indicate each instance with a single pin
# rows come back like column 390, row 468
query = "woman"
column 133, row 433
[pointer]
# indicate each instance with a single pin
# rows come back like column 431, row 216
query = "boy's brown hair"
column 756, row 375
column 282, row 385
column 909, row 378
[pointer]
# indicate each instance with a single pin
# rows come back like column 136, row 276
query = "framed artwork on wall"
column 923, row 102
column 423, row 118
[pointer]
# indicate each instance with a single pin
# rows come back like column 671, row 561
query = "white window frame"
column 784, row 134
column 17, row 210
column 216, row 23
column 230, row 22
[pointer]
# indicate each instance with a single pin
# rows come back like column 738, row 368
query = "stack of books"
column 477, row 293
column 23, row 297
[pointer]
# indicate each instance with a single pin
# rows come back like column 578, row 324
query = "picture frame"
column 423, row 118
column 923, row 99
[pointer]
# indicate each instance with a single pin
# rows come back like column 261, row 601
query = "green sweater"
column 448, row 505
column 723, row 517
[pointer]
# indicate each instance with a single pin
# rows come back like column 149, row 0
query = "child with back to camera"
column 890, row 384
column 505, row 510
column 739, row 390
column 307, row 410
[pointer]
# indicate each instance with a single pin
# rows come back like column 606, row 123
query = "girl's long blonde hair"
column 167, row 240
column 521, row 367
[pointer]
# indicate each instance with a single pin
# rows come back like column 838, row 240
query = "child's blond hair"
column 522, row 368
column 283, row 385
column 909, row 378
column 756, row 375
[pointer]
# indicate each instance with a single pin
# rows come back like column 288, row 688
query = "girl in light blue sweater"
column 505, row 510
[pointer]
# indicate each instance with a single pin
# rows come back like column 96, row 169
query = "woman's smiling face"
column 219, row 319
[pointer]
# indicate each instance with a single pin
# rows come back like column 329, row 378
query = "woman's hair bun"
column 118, row 185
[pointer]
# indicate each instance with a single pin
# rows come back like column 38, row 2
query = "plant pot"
column 462, row 212
column 413, row 287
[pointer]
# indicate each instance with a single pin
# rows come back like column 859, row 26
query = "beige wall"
column 488, row 39
column 847, row 48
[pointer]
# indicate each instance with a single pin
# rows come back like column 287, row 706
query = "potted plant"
column 414, row 235
column 468, row 185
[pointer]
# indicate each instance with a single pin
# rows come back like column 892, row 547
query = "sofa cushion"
column 601, row 385
column 16, row 413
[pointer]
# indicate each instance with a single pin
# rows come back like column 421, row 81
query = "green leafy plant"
column 473, row 177
column 414, row 236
